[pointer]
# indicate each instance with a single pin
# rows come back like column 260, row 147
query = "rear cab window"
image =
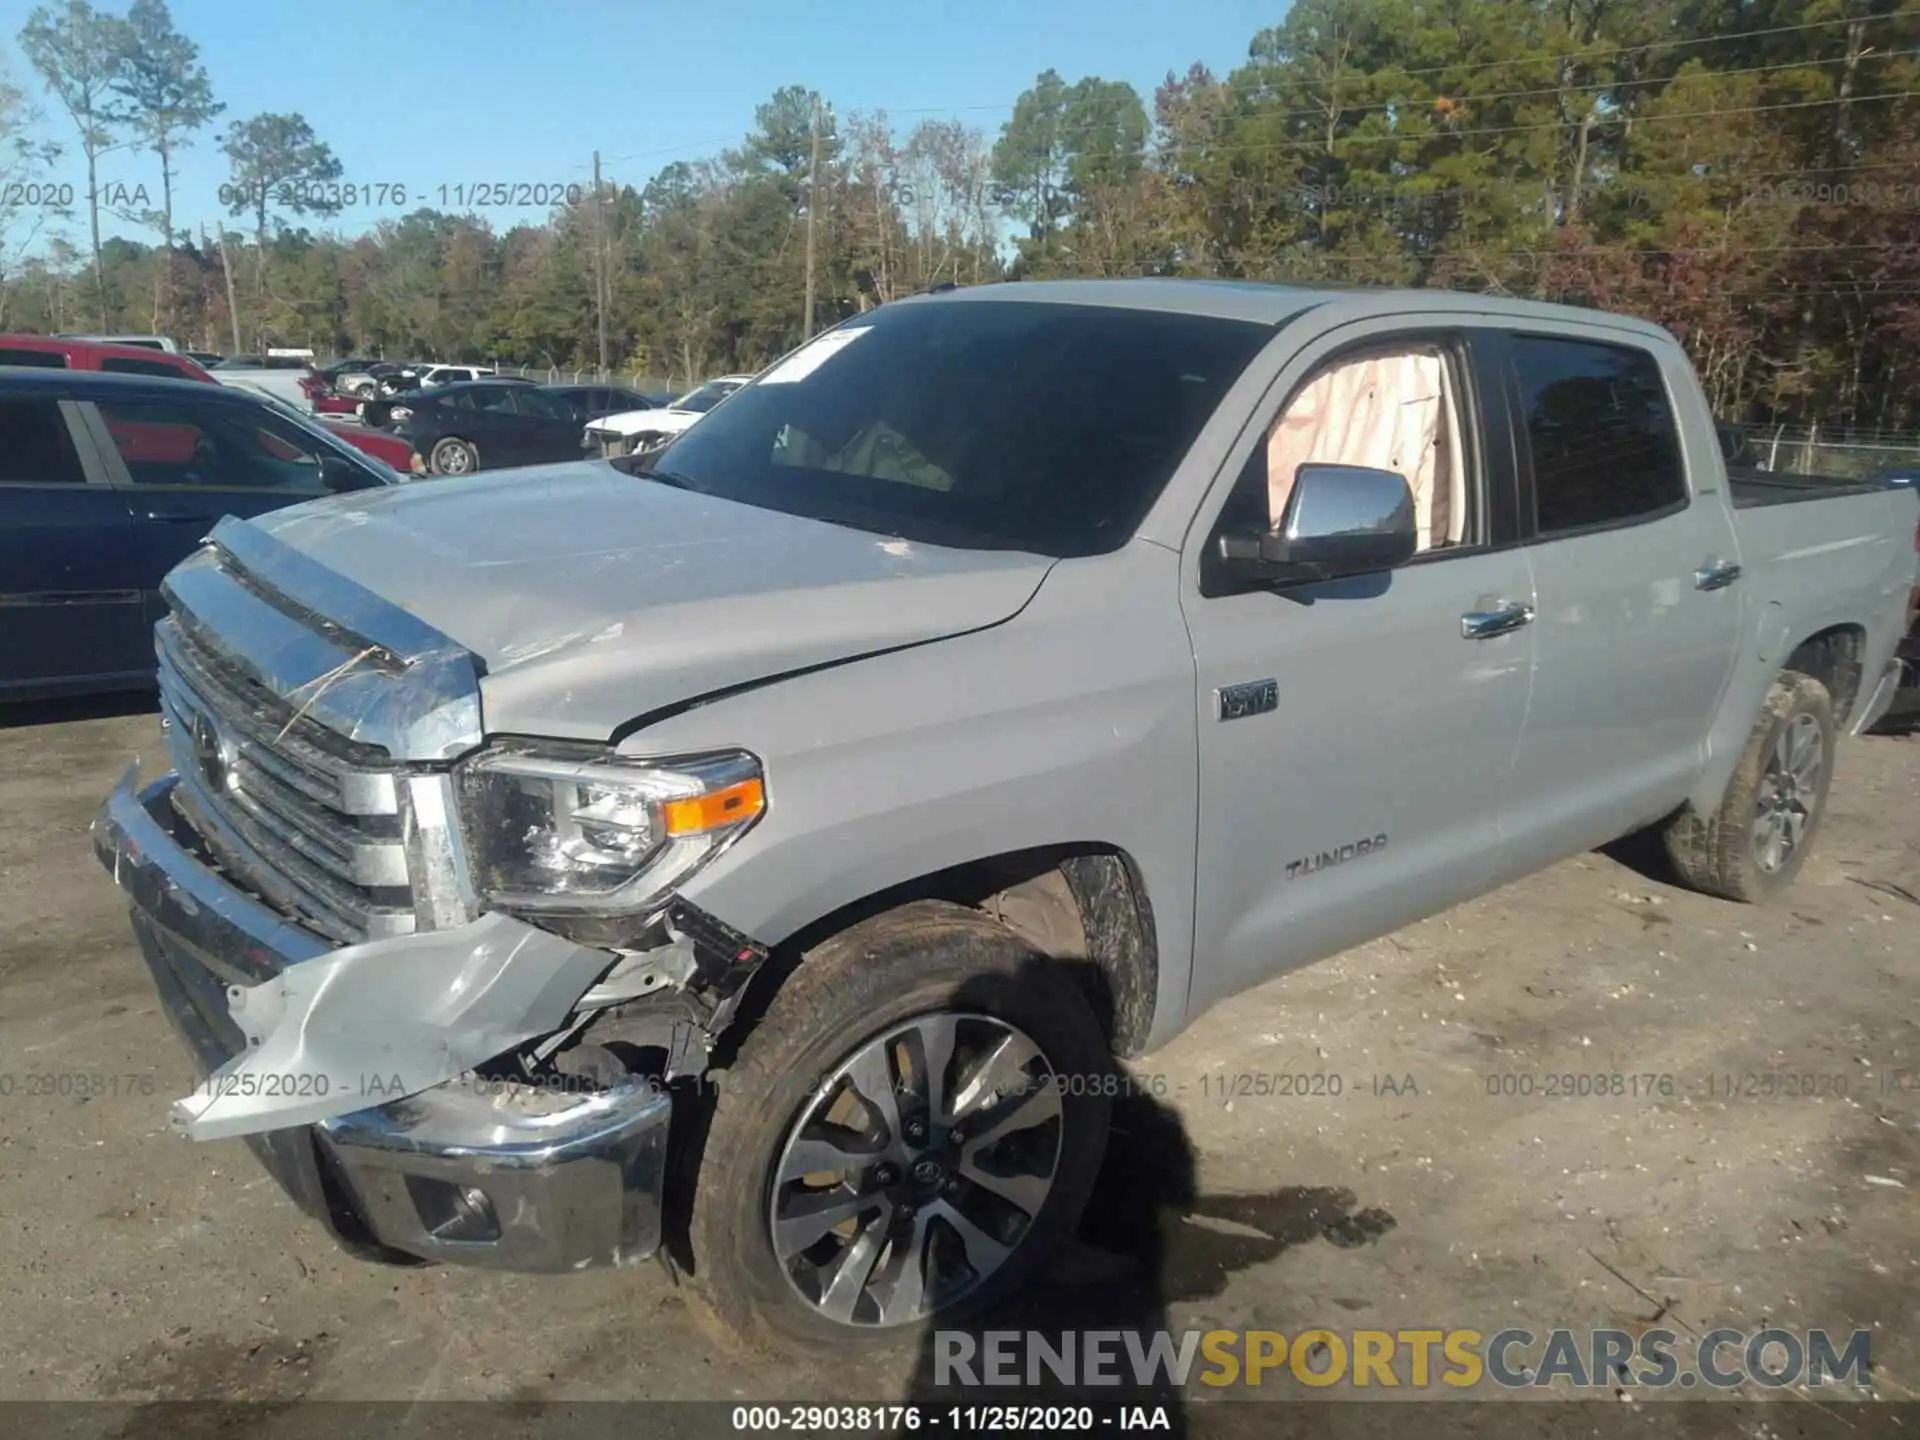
column 39, row 359
column 1601, row 433
column 126, row 365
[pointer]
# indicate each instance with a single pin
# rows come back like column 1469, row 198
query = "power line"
column 1544, row 59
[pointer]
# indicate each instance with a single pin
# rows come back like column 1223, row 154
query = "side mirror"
column 340, row 475
column 1340, row 520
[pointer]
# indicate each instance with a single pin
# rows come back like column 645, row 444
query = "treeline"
column 1746, row 172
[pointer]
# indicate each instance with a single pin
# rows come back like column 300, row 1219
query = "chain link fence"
column 1843, row 454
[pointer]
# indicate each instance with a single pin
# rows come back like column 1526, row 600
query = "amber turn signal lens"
column 709, row 812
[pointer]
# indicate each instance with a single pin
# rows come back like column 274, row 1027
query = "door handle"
column 1485, row 624
column 1716, row 576
column 173, row 517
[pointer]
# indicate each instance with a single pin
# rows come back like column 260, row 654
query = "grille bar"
column 302, row 828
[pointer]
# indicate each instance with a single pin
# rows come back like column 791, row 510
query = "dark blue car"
column 109, row 481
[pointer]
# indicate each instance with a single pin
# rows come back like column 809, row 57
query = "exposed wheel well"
column 1075, row 903
column 1833, row 657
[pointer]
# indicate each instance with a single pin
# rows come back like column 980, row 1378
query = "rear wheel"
column 913, row 1126
column 1753, row 845
column 454, row 457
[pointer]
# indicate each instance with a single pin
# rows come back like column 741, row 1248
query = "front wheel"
column 1752, row 846
column 909, row 1132
column 454, row 457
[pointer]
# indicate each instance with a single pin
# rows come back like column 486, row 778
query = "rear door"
column 184, row 462
column 1635, row 565
column 70, row 604
column 485, row 415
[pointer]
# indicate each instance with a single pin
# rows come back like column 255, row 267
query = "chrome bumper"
column 470, row 1172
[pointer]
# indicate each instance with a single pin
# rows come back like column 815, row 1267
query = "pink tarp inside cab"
column 1388, row 411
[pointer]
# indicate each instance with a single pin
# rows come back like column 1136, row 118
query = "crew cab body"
column 1016, row 581
column 60, row 352
column 106, row 483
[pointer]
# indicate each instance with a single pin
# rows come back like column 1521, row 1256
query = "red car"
column 389, row 449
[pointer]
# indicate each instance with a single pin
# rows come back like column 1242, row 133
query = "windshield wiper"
column 664, row 477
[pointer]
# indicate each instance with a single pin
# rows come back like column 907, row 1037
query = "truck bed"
column 1753, row 487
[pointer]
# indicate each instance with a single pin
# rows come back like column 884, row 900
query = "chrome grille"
column 312, row 824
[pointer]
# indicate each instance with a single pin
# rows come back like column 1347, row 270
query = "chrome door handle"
column 1716, row 576
column 1484, row 624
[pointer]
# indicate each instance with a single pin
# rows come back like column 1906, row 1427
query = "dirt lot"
column 142, row 1267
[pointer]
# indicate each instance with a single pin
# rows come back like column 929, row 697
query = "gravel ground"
column 145, row 1268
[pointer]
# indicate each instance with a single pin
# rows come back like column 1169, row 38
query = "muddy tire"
column 911, row 1129
column 1753, row 845
column 454, row 457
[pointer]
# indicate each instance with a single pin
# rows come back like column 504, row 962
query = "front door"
column 1362, row 789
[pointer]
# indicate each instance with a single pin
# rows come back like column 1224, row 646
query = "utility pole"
column 600, row 284
column 813, row 210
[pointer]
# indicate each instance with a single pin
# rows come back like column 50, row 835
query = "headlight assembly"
column 588, row 833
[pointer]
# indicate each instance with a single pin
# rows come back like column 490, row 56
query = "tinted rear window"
column 994, row 424
column 1605, row 447
column 41, row 359
column 35, row 448
column 129, row 366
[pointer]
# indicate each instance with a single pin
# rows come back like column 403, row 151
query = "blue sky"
column 523, row 91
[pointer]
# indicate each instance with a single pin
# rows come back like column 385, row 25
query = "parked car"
column 142, row 342
column 590, row 402
column 1000, row 681
column 108, row 481
column 454, row 374
column 205, row 357
column 646, row 428
column 366, row 382
column 458, row 429
column 53, row 352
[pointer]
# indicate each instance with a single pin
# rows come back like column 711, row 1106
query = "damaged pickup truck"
column 770, row 844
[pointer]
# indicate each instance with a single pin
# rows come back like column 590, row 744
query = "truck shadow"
column 1149, row 1239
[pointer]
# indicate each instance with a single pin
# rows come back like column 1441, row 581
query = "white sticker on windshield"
column 809, row 358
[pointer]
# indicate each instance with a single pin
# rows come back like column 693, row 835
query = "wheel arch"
column 1084, row 903
column 1834, row 655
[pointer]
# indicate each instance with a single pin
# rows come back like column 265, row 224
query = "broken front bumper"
column 461, row 1169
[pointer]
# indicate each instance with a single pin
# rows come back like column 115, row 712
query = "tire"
column 453, row 457
column 1728, row 852
column 913, row 972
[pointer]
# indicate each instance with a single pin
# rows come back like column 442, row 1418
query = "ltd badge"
column 1255, row 697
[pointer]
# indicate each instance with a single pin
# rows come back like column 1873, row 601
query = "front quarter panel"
column 1071, row 723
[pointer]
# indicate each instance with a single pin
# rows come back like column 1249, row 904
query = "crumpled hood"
column 665, row 420
column 592, row 597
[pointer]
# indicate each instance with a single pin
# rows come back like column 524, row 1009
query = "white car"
column 455, row 374
column 633, row 430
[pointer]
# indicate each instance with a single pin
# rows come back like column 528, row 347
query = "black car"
column 109, row 481
column 590, row 402
column 458, row 429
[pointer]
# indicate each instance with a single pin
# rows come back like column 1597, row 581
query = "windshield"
column 703, row 399
column 998, row 424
